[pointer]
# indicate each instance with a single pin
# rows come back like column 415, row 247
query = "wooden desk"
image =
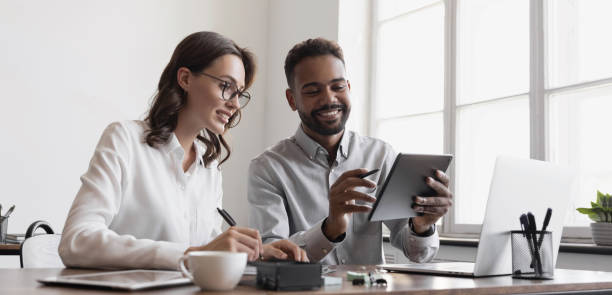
column 23, row 281
column 9, row 249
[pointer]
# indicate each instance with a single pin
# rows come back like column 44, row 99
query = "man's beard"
column 319, row 127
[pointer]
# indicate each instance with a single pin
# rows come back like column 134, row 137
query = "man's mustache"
column 329, row 107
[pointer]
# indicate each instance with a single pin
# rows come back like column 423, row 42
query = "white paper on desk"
column 331, row 281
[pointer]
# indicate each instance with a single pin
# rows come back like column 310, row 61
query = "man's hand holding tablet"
column 433, row 207
column 416, row 187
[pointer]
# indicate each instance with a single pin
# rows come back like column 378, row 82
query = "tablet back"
column 405, row 180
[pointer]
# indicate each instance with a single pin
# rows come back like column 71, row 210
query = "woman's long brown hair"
column 196, row 52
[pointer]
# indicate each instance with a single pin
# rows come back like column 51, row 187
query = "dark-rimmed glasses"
column 229, row 90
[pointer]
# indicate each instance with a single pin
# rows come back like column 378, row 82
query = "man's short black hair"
column 309, row 48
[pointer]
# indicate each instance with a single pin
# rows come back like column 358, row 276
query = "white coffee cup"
column 214, row 270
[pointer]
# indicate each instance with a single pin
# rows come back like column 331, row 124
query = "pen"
column 0, row 209
column 524, row 223
column 527, row 233
column 228, row 218
column 546, row 221
column 364, row 175
column 534, row 240
column 8, row 213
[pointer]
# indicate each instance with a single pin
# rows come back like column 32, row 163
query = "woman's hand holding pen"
column 240, row 239
column 236, row 239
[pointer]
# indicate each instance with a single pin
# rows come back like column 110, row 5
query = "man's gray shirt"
column 288, row 194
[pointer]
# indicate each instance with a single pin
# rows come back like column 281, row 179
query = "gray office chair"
column 40, row 251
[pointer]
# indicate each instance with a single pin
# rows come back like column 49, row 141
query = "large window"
column 480, row 78
column 402, row 84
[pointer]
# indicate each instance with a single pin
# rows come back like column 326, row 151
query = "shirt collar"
column 199, row 149
column 344, row 144
column 311, row 147
column 173, row 146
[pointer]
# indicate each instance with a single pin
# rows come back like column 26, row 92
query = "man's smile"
column 329, row 112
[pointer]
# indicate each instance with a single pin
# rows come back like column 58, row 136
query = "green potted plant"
column 601, row 213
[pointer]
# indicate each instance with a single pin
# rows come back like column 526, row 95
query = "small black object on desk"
column 288, row 275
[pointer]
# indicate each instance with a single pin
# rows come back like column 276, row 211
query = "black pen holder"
column 532, row 255
column 3, row 229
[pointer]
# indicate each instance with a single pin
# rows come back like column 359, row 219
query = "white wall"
column 68, row 68
column 290, row 22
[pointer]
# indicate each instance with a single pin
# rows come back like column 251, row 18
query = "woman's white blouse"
column 137, row 208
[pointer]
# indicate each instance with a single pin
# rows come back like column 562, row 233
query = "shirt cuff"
column 418, row 248
column 314, row 242
column 429, row 232
column 168, row 255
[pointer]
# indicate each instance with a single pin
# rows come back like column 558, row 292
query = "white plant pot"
column 602, row 233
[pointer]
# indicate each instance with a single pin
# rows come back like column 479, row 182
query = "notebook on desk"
column 517, row 186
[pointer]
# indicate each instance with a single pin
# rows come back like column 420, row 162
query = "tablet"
column 124, row 280
column 405, row 180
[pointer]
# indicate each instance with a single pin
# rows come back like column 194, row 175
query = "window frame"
column 538, row 96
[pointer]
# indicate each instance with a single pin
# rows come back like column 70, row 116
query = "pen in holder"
column 532, row 255
column 3, row 229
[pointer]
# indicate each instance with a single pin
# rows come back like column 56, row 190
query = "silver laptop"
column 518, row 186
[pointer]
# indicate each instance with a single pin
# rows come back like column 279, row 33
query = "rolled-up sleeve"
column 314, row 242
column 416, row 248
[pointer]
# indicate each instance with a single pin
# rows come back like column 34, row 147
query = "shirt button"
column 324, row 250
column 343, row 261
column 181, row 187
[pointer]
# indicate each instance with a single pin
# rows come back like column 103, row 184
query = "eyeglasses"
column 229, row 90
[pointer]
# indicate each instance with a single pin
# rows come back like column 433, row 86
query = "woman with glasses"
column 153, row 187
